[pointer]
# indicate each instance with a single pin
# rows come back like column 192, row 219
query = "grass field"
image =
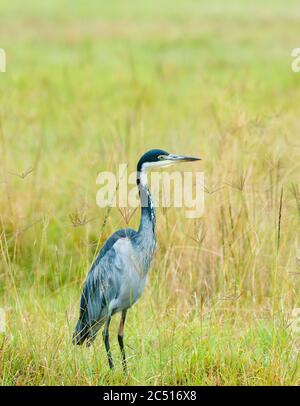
column 92, row 84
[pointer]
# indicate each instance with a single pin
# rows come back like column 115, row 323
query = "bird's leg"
column 120, row 339
column 106, row 341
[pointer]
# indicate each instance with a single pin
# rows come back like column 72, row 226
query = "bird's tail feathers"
column 81, row 333
column 86, row 332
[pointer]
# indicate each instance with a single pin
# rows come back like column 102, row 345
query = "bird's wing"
column 124, row 233
column 102, row 282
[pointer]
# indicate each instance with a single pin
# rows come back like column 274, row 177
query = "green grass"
column 92, row 84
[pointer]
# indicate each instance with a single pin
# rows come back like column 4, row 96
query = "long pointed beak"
column 181, row 158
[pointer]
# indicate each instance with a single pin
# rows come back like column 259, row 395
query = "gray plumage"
column 118, row 276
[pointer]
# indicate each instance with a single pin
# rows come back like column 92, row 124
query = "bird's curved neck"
column 148, row 218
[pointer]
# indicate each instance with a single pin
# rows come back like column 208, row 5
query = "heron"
column 118, row 275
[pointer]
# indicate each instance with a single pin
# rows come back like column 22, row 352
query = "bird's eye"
column 160, row 157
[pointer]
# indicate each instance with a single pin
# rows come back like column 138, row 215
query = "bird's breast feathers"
column 130, row 259
column 131, row 266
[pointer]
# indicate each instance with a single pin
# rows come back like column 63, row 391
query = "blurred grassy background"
column 92, row 84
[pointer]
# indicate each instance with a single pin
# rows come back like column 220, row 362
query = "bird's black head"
column 159, row 157
column 150, row 157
